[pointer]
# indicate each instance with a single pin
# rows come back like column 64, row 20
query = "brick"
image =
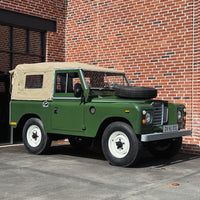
column 151, row 41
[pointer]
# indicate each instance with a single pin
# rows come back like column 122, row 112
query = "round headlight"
column 144, row 112
column 179, row 115
column 148, row 118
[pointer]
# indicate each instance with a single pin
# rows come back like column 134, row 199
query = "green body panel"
column 66, row 114
column 172, row 117
column 107, row 109
column 20, row 109
column 72, row 117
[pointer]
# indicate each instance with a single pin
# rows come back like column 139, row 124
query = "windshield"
column 104, row 80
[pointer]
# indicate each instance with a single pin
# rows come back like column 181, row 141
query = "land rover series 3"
column 86, row 103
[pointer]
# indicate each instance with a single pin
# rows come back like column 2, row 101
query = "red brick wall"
column 151, row 40
column 49, row 9
column 4, row 45
column 194, row 142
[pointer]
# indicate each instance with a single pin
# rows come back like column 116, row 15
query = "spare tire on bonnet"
column 135, row 92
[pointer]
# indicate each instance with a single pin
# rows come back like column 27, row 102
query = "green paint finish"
column 111, row 111
column 172, row 114
column 21, row 109
column 67, row 115
column 91, row 112
column 71, row 117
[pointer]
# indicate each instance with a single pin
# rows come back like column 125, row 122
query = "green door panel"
column 67, row 115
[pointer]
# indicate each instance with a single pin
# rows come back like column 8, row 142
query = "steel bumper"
column 162, row 136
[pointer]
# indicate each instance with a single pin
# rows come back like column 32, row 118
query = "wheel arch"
column 23, row 120
column 108, row 121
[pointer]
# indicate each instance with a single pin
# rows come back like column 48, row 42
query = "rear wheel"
column 165, row 148
column 120, row 145
column 35, row 138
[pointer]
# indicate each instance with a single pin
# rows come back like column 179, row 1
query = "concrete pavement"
column 68, row 174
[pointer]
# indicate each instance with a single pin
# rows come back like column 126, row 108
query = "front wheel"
column 165, row 148
column 120, row 145
column 34, row 137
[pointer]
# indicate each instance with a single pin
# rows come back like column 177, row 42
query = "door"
column 4, row 108
column 67, row 110
column 17, row 45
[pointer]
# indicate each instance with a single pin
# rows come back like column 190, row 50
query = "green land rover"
column 92, row 105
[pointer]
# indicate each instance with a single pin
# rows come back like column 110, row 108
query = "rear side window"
column 34, row 81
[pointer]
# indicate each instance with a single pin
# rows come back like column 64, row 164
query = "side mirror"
column 78, row 91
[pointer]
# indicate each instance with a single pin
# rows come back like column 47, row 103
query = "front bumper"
column 162, row 136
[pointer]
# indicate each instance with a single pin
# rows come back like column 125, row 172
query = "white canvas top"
column 19, row 92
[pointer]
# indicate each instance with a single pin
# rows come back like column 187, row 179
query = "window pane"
column 104, row 80
column 5, row 38
column 35, row 43
column 4, row 62
column 61, row 82
column 19, row 39
column 34, row 81
column 117, row 80
column 2, row 87
column 21, row 59
column 65, row 82
column 94, row 79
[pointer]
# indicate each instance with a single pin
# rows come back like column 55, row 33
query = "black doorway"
column 22, row 40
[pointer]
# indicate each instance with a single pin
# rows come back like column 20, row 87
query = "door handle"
column 55, row 110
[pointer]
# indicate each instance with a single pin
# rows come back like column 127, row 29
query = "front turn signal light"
column 144, row 121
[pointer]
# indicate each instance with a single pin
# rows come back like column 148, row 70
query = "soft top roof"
column 20, row 92
column 51, row 66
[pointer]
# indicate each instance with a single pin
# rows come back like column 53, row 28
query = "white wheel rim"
column 118, row 144
column 34, row 136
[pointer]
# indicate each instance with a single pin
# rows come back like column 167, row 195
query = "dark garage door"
column 17, row 45
column 22, row 40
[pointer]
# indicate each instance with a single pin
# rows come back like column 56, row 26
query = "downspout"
column 193, row 57
column 65, row 29
column 98, row 33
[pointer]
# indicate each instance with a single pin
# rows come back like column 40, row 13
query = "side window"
column 65, row 82
column 61, row 82
column 34, row 81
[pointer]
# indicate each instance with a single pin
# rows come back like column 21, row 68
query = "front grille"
column 158, row 113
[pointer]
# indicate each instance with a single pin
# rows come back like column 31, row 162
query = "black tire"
column 80, row 142
column 34, row 137
column 135, row 92
column 165, row 148
column 115, row 141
